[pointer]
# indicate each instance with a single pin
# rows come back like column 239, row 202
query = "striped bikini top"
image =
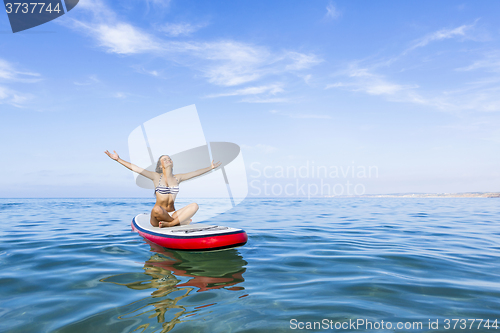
column 167, row 189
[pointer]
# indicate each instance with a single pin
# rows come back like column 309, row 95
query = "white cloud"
column 229, row 63
column 490, row 63
column 301, row 61
column 119, row 95
column 142, row 70
column 230, row 74
column 364, row 80
column 92, row 79
column 234, row 63
column 153, row 72
column 10, row 73
column 307, row 78
column 382, row 87
column 224, row 62
column 14, row 98
column 478, row 96
column 179, row 29
column 440, row 35
column 270, row 89
column 103, row 25
column 331, row 12
column 335, row 85
column 123, row 38
column 97, row 8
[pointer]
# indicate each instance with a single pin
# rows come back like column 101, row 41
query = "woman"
column 166, row 189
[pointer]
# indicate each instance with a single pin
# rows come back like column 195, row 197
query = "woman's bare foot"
column 163, row 224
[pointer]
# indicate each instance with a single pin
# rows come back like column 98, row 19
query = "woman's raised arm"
column 189, row 175
column 146, row 173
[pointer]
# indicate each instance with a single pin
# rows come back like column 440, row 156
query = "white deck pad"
column 190, row 230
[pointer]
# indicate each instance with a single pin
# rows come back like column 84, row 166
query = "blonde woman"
column 166, row 184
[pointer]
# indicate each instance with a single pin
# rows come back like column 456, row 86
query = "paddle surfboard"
column 191, row 237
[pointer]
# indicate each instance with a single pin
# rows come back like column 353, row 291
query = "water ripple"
column 73, row 265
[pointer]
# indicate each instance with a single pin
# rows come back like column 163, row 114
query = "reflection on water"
column 207, row 270
column 163, row 273
column 175, row 287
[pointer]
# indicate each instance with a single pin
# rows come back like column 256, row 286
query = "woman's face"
column 166, row 161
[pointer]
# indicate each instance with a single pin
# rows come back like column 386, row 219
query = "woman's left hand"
column 215, row 165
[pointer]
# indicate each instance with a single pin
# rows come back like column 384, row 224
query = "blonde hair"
column 159, row 169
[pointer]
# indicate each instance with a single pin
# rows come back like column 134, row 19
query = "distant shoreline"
column 429, row 195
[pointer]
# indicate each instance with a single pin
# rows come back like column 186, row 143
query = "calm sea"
column 74, row 265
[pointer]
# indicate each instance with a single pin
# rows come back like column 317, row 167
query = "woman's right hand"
column 113, row 156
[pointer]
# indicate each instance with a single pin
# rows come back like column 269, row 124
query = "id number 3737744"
column 24, row 7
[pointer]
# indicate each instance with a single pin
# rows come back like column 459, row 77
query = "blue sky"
column 411, row 88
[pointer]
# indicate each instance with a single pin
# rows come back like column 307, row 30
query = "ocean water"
column 74, row 265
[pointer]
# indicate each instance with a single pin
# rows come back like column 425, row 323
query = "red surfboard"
column 191, row 237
